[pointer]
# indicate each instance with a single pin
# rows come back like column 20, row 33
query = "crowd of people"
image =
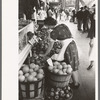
column 86, row 18
column 57, row 14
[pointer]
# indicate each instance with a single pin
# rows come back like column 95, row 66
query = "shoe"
column 90, row 66
column 77, row 86
column 73, row 86
column 80, row 29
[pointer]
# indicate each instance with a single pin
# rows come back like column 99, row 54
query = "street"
column 86, row 90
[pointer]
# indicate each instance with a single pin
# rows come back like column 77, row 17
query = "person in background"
column 63, row 16
column 53, row 11
column 70, row 15
column 56, row 13
column 85, row 19
column 60, row 11
column 73, row 15
column 34, row 15
column 42, row 14
column 67, row 14
column 50, row 20
column 91, row 35
column 79, row 16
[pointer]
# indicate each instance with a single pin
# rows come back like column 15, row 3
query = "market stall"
column 43, row 78
column 25, row 42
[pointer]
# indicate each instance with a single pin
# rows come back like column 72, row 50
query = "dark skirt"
column 50, row 21
column 91, row 31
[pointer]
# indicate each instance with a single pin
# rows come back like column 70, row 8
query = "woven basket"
column 57, row 80
column 46, row 95
column 30, row 90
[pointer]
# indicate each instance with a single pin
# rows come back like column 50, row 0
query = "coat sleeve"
column 71, row 56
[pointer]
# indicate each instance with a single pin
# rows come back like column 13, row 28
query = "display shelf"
column 29, row 27
column 23, row 39
column 24, row 44
column 23, row 55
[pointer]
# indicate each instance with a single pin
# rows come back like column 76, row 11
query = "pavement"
column 86, row 77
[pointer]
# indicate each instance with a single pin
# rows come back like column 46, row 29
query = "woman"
column 50, row 20
column 68, row 53
column 73, row 15
column 91, row 35
column 63, row 16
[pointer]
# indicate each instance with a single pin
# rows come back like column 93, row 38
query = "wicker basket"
column 30, row 90
column 57, row 80
column 46, row 95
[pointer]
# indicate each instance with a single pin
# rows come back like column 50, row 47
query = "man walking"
column 79, row 16
column 85, row 19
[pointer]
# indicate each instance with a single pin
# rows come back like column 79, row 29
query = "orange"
column 30, row 78
column 39, row 76
column 21, row 78
column 25, row 69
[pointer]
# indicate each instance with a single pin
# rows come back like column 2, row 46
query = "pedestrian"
column 50, row 20
column 34, row 15
column 60, row 12
column 63, row 16
column 67, row 14
column 56, row 13
column 62, row 33
column 91, row 35
column 42, row 14
column 73, row 15
column 79, row 16
column 85, row 19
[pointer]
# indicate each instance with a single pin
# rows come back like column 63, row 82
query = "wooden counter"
column 24, row 46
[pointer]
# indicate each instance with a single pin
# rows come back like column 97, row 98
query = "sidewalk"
column 86, row 78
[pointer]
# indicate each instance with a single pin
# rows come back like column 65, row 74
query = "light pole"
column 77, row 5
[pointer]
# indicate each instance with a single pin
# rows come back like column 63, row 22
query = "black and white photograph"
column 57, row 50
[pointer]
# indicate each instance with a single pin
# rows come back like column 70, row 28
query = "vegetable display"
column 30, row 73
column 53, row 93
column 60, row 68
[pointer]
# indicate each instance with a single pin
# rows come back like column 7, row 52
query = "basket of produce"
column 52, row 93
column 59, row 74
column 31, row 81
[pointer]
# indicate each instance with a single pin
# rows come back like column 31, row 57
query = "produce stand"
column 58, row 79
column 24, row 46
column 23, row 55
